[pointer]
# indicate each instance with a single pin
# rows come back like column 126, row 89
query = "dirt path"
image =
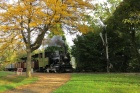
column 46, row 84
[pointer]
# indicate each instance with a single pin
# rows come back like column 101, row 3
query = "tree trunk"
column 134, row 44
column 28, row 48
column 28, row 63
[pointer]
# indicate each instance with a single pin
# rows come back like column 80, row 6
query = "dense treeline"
column 89, row 52
column 123, row 29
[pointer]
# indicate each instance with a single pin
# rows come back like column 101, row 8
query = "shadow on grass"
column 15, row 79
column 9, row 83
column 114, row 90
column 8, row 87
column 26, row 91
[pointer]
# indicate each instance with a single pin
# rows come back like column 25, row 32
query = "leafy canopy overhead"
column 26, row 19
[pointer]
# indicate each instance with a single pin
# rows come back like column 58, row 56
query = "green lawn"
column 9, row 82
column 102, row 83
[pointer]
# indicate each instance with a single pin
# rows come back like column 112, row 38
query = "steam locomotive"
column 49, row 61
column 59, row 62
column 52, row 62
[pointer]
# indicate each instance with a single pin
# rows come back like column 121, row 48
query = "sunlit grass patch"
column 102, row 83
column 9, row 82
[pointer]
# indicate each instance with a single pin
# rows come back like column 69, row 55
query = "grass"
column 9, row 81
column 102, row 83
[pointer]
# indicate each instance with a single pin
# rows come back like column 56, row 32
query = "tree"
column 10, row 49
column 103, row 10
column 89, row 52
column 127, row 31
column 30, row 20
column 122, row 55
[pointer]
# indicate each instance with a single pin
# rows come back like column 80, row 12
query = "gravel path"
column 46, row 84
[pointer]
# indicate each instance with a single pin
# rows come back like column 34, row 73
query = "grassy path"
column 46, row 84
column 80, row 83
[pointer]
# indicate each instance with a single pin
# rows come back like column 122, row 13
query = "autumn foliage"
column 28, row 21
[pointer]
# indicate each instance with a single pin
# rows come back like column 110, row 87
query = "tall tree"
column 125, row 27
column 93, row 60
column 30, row 20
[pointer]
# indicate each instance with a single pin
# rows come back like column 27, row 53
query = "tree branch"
column 39, row 39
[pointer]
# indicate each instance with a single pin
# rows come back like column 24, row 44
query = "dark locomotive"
column 57, row 60
column 53, row 62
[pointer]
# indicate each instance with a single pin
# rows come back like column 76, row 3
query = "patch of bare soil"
column 46, row 84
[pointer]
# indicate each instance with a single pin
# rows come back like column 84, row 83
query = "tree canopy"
column 123, row 37
column 29, row 20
